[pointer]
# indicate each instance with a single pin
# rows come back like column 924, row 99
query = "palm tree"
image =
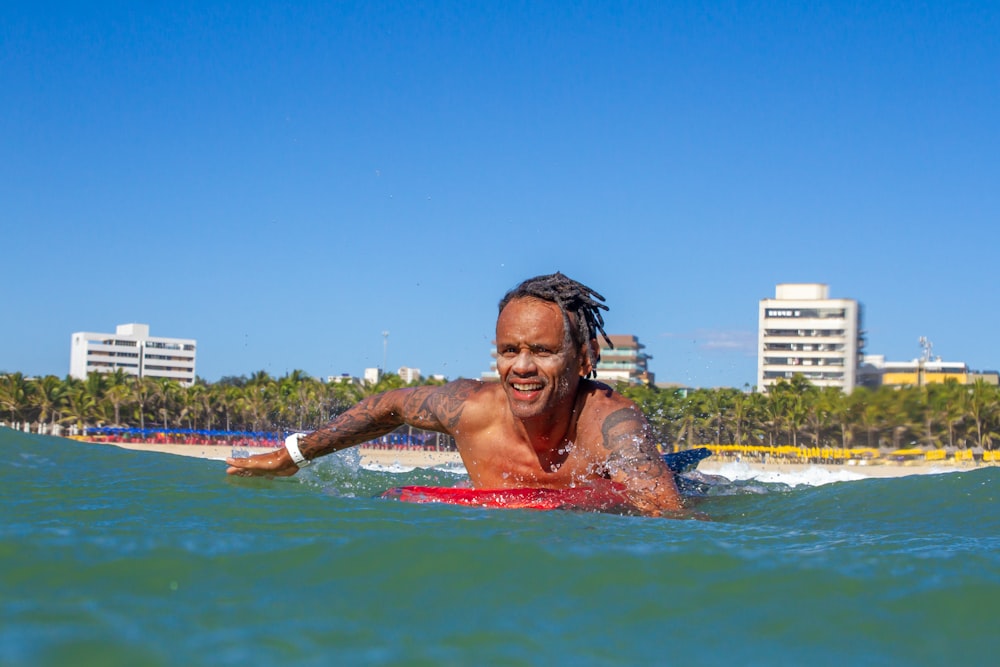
column 209, row 409
column 867, row 411
column 228, row 400
column 80, row 407
column 840, row 409
column 893, row 417
column 165, row 392
column 255, row 405
column 773, row 414
column 142, row 395
column 818, row 417
column 718, row 405
column 260, row 378
column 187, row 404
column 15, row 395
column 956, row 409
column 740, row 415
column 297, row 397
column 984, row 406
column 47, row 397
column 690, row 410
column 116, row 396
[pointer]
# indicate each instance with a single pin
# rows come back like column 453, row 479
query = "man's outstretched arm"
column 433, row 408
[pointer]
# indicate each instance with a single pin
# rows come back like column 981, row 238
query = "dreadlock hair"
column 571, row 297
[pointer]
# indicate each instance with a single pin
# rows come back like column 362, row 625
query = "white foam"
column 397, row 467
column 807, row 475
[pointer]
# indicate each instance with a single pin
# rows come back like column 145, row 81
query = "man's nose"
column 524, row 362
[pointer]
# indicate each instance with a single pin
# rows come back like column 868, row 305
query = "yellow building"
column 917, row 373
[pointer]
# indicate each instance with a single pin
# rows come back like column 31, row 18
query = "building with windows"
column 625, row 362
column 409, row 375
column 920, row 372
column 802, row 331
column 915, row 373
column 134, row 351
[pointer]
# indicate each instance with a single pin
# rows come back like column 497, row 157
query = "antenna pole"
column 385, row 348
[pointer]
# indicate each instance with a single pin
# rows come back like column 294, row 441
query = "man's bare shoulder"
column 467, row 390
column 601, row 396
column 473, row 394
column 454, row 401
column 606, row 411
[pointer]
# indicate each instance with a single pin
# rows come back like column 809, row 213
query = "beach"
column 730, row 467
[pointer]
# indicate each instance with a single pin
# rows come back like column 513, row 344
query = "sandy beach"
column 725, row 466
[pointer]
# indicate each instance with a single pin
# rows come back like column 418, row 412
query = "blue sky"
column 286, row 183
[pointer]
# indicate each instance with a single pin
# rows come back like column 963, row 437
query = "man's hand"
column 273, row 464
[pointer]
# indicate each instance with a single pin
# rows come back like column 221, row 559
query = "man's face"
column 538, row 366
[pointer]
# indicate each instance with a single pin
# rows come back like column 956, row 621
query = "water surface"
column 111, row 556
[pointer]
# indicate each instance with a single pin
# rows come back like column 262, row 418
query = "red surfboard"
column 597, row 497
column 603, row 498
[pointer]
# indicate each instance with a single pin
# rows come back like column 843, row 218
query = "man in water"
column 544, row 425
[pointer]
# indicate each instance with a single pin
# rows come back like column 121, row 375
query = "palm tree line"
column 794, row 413
column 798, row 414
column 258, row 403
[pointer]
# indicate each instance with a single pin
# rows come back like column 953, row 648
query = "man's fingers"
column 262, row 465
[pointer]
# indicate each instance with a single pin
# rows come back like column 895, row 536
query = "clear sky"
column 283, row 184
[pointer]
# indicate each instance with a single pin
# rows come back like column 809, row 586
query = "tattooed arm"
column 433, row 408
column 633, row 461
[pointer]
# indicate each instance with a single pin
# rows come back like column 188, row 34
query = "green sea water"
column 114, row 557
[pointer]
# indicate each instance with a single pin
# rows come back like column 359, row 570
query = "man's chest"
column 512, row 465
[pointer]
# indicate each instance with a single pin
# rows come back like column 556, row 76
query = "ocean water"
column 114, row 557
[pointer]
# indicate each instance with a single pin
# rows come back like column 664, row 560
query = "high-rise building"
column 802, row 331
column 134, row 351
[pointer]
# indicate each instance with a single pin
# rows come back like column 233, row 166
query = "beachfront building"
column 134, row 351
column 915, row 373
column 927, row 369
column 625, row 362
column 802, row 331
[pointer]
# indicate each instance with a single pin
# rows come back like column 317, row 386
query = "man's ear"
column 586, row 365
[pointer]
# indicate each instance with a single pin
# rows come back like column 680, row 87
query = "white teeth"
column 527, row 387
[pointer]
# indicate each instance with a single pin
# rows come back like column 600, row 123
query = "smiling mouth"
column 526, row 387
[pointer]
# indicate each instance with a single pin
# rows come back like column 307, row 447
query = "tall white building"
column 133, row 350
column 803, row 331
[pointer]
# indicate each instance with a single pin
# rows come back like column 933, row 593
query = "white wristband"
column 292, row 447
